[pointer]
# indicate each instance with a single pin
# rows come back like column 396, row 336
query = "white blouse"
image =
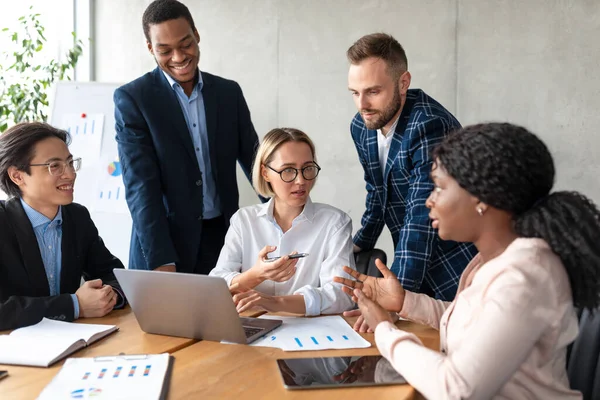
column 321, row 230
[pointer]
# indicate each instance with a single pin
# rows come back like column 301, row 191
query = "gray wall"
column 531, row 63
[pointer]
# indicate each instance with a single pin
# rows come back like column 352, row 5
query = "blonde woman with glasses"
column 283, row 255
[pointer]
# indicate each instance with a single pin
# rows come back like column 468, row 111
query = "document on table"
column 319, row 333
column 119, row 377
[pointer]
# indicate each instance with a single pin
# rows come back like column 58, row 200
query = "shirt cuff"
column 387, row 335
column 75, row 306
column 121, row 301
column 409, row 304
column 312, row 301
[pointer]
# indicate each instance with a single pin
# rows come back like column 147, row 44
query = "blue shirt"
column 49, row 237
column 195, row 117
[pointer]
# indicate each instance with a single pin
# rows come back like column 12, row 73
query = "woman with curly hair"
column 506, row 333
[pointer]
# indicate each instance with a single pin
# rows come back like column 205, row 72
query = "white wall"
column 532, row 62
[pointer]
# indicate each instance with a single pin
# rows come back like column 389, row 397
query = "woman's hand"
column 280, row 270
column 372, row 312
column 386, row 291
column 361, row 324
column 252, row 299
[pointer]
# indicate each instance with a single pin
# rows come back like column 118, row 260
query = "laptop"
column 188, row 305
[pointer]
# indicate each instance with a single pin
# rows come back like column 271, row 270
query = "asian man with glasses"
column 47, row 242
column 260, row 259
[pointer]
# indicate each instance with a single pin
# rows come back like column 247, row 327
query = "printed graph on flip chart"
column 86, row 135
column 110, row 191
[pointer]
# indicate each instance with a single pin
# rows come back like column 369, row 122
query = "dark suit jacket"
column 24, row 292
column 162, row 179
column 396, row 197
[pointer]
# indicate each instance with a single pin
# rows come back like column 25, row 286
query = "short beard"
column 388, row 113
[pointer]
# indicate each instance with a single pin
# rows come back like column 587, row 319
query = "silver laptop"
column 188, row 305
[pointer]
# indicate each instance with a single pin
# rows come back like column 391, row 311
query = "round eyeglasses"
column 56, row 168
column 289, row 174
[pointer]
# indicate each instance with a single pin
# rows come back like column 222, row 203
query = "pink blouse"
column 505, row 335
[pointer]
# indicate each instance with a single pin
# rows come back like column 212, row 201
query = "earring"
column 480, row 211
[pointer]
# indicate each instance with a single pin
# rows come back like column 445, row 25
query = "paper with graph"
column 118, row 377
column 110, row 192
column 86, row 135
column 320, row 333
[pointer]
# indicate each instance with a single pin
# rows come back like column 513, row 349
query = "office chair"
column 583, row 363
column 365, row 261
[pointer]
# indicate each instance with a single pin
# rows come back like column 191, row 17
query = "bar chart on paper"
column 86, row 135
column 321, row 333
column 110, row 193
column 96, row 378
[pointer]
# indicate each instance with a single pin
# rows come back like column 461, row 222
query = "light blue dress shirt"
column 195, row 117
column 49, row 237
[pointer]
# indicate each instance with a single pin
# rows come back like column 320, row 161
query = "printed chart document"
column 48, row 341
column 319, row 333
column 120, row 377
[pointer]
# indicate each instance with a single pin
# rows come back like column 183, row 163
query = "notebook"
column 49, row 341
column 127, row 377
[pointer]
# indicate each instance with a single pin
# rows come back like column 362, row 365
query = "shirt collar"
column 37, row 218
column 173, row 82
column 308, row 213
column 392, row 129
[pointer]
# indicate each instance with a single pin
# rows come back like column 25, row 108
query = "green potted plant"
column 24, row 81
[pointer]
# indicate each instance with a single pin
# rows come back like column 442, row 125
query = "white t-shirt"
column 321, row 230
column 383, row 144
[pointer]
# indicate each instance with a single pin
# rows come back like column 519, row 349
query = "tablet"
column 335, row 372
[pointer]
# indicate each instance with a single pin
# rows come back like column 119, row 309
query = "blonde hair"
column 264, row 155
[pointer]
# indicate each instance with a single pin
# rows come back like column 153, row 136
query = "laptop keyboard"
column 251, row 331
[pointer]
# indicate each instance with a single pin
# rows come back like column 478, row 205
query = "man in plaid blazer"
column 395, row 132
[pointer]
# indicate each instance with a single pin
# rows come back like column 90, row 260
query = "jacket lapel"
column 172, row 110
column 28, row 246
column 69, row 278
column 209, row 95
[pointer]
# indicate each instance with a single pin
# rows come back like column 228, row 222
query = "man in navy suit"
column 179, row 134
column 394, row 132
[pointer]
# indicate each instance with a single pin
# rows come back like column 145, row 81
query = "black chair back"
column 584, row 364
column 365, row 261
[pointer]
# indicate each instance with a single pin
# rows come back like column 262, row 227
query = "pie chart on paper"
column 114, row 168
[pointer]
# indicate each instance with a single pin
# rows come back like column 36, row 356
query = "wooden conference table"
column 210, row 370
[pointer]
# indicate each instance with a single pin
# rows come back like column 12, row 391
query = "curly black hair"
column 165, row 10
column 511, row 169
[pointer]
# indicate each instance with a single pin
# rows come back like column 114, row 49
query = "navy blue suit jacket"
column 396, row 197
column 163, row 183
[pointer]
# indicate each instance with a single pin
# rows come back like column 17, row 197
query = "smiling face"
column 41, row 190
column 377, row 95
column 290, row 155
column 453, row 210
column 174, row 45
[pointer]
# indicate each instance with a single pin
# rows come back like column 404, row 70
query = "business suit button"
column 199, row 182
column 200, row 218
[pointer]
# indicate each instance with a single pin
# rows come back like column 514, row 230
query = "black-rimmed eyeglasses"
column 57, row 168
column 289, row 174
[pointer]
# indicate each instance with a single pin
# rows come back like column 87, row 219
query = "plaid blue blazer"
column 422, row 261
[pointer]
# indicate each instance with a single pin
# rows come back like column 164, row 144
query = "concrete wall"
column 530, row 62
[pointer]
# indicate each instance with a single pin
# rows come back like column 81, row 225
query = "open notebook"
column 48, row 341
